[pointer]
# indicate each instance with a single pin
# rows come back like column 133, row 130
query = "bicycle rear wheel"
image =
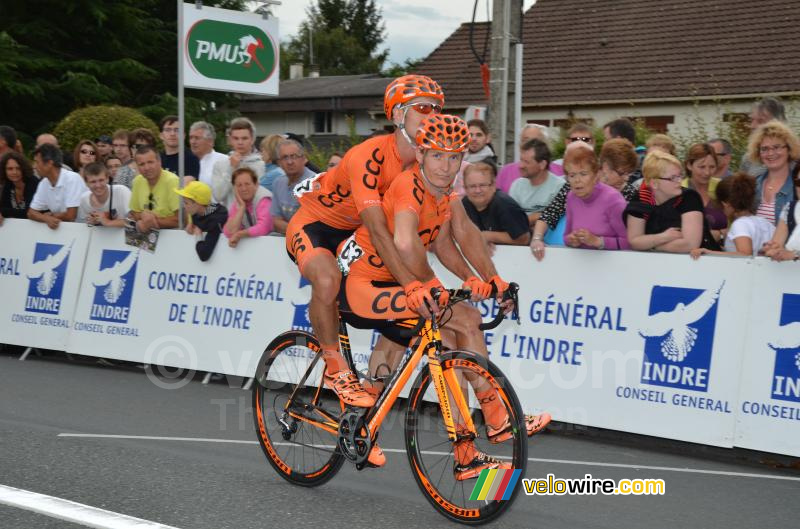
column 301, row 452
column 431, row 453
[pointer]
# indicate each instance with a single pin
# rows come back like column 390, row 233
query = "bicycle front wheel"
column 290, row 408
column 432, row 455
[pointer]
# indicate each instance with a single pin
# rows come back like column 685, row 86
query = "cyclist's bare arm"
column 449, row 255
column 407, row 242
column 470, row 240
column 375, row 221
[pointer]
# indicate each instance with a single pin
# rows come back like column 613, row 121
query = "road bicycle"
column 307, row 434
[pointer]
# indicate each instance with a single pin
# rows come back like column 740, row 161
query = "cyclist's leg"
column 464, row 325
column 383, row 360
column 308, row 244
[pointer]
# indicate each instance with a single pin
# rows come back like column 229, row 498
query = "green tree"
column 342, row 35
column 57, row 56
column 397, row 69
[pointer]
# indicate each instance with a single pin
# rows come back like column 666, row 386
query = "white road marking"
column 72, row 511
column 403, row 451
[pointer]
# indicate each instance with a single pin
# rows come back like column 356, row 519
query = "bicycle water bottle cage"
column 354, row 438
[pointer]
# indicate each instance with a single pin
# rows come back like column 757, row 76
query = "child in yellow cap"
column 207, row 219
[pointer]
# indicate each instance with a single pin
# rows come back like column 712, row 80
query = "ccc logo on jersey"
column 373, row 170
column 334, row 197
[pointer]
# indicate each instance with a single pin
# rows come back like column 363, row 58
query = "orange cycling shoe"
column 533, row 423
column 349, row 390
column 376, row 457
column 470, row 461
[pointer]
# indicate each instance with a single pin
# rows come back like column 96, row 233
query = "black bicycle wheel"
column 301, row 452
column 431, row 453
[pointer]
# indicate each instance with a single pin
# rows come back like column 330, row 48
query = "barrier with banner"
column 40, row 274
column 768, row 414
column 623, row 340
column 626, row 340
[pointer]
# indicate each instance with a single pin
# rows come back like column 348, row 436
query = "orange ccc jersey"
column 337, row 197
column 406, row 192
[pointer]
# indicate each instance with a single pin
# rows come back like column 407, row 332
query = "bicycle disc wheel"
column 432, row 455
column 301, row 452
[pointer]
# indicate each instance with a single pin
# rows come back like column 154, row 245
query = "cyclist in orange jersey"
column 337, row 202
column 418, row 211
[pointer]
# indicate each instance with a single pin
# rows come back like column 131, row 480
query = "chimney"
column 296, row 70
column 314, row 72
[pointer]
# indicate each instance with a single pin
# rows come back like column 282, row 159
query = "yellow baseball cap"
column 197, row 191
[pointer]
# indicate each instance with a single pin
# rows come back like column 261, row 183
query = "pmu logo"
column 235, row 52
column 113, row 286
column 679, row 337
column 46, row 277
column 786, row 344
column 301, row 320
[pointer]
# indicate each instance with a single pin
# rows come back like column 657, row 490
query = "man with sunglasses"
column 154, row 203
column 335, row 203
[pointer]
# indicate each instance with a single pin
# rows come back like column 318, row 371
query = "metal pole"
column 181, row 149
column 517, row 99
column 501, row 156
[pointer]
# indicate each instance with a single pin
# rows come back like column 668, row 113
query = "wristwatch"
column 796, row 256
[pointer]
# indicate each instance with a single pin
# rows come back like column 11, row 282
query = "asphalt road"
column 188, row 458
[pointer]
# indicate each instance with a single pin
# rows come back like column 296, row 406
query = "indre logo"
column 679, row 337
column 301, row 320
column 46, row 277
column 229, row 51
column 113, row 286
column 786, row 344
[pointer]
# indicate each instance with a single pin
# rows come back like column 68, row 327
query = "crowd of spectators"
column 618, row 197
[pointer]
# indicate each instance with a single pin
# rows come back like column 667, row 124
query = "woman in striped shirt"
column 775, row 146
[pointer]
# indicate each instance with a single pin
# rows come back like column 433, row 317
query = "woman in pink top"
column 249, row 214
column 594, row 209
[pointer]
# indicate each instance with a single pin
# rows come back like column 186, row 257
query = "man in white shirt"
column 201, row 142
column 59, row 192
column 537, row 186
column 241, row 138
column 103, row 204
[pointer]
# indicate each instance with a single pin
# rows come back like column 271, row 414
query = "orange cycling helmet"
column 406, row 88
column 443, row 132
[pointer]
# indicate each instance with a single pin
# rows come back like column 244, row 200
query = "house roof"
column 611, row 51
column 336, row 92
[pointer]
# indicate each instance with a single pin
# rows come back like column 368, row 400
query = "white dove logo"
column 111, row 277
column 45, row 270
column 674, row 325
column 786, row 337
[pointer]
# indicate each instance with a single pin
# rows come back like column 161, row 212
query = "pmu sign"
column 229, row 50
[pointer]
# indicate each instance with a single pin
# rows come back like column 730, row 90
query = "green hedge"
column 91, row 122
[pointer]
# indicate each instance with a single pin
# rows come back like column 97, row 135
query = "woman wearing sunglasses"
column 84, row 154
column 666, row 216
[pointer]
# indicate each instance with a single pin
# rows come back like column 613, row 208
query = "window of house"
column 323, row 122
column 658, row 123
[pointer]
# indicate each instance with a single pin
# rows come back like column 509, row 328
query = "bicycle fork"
column 442, row 381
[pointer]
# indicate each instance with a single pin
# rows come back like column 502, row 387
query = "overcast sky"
column 414, row 28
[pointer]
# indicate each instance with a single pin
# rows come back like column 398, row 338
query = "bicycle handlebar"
column 509, row 294
column 457, row 295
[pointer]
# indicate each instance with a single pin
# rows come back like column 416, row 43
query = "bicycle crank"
column 354, row 437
